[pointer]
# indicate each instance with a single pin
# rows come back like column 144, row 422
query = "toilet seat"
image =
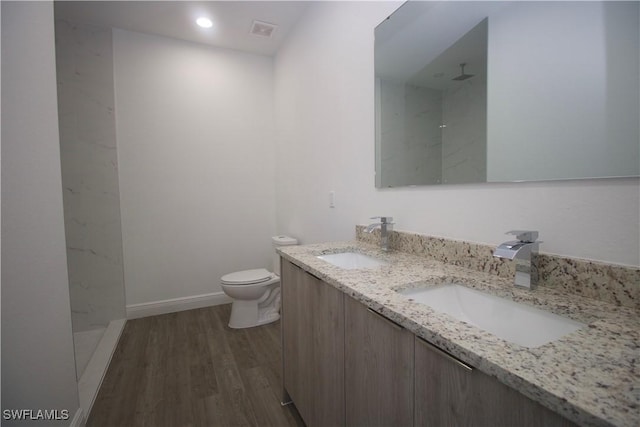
column 247, row 277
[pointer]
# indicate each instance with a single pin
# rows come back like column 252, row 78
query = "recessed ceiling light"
column 204, row 22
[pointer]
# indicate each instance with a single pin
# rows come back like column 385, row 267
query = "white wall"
column 196, row 164
column 325, row 138
column 38, row 369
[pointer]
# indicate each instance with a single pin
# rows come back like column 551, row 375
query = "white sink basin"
column 352, row 260
column 509, row 320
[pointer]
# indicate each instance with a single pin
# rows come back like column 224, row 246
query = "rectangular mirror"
column 493, row 91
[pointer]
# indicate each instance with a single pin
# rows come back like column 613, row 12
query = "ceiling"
column 232, row 20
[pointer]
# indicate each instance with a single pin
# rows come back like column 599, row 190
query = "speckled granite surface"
column 605, row 282
column 589, row 376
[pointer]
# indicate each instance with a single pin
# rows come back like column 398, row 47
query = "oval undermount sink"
column 352, row 260
column 514, row 322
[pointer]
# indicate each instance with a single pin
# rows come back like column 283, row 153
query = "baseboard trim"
column 136, row 311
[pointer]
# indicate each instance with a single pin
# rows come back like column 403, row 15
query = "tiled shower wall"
column 415, row 150
column 464, row 140
column 411, row 144
column 84, row 62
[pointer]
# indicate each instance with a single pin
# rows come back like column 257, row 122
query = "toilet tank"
column 280, row 241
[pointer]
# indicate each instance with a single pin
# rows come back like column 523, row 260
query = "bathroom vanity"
column 358, row 352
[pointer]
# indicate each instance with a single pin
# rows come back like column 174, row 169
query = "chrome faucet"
column 522, row 251
column 385, row 225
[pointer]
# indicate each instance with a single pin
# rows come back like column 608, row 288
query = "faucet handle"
column 524, row 236
column 383, row 219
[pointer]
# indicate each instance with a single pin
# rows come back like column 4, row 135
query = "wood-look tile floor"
column 191, row 369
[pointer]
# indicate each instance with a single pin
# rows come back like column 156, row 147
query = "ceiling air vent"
column 263, row 29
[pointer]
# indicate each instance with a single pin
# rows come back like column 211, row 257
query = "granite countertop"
column 588, row 376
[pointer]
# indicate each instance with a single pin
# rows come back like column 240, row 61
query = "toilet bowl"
column 256, row 292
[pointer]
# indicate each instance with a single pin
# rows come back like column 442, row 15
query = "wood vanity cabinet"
column 344, row 364
column 378, row 369
column 313, row 346
column 448, row 392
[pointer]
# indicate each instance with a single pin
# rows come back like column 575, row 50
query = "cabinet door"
column 378, row 369
column 295, row 330
column 448, row 392
column 313, row 346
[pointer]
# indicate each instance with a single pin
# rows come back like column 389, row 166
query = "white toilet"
column 255, row 293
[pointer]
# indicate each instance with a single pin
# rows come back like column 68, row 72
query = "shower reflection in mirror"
column 433, row 123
